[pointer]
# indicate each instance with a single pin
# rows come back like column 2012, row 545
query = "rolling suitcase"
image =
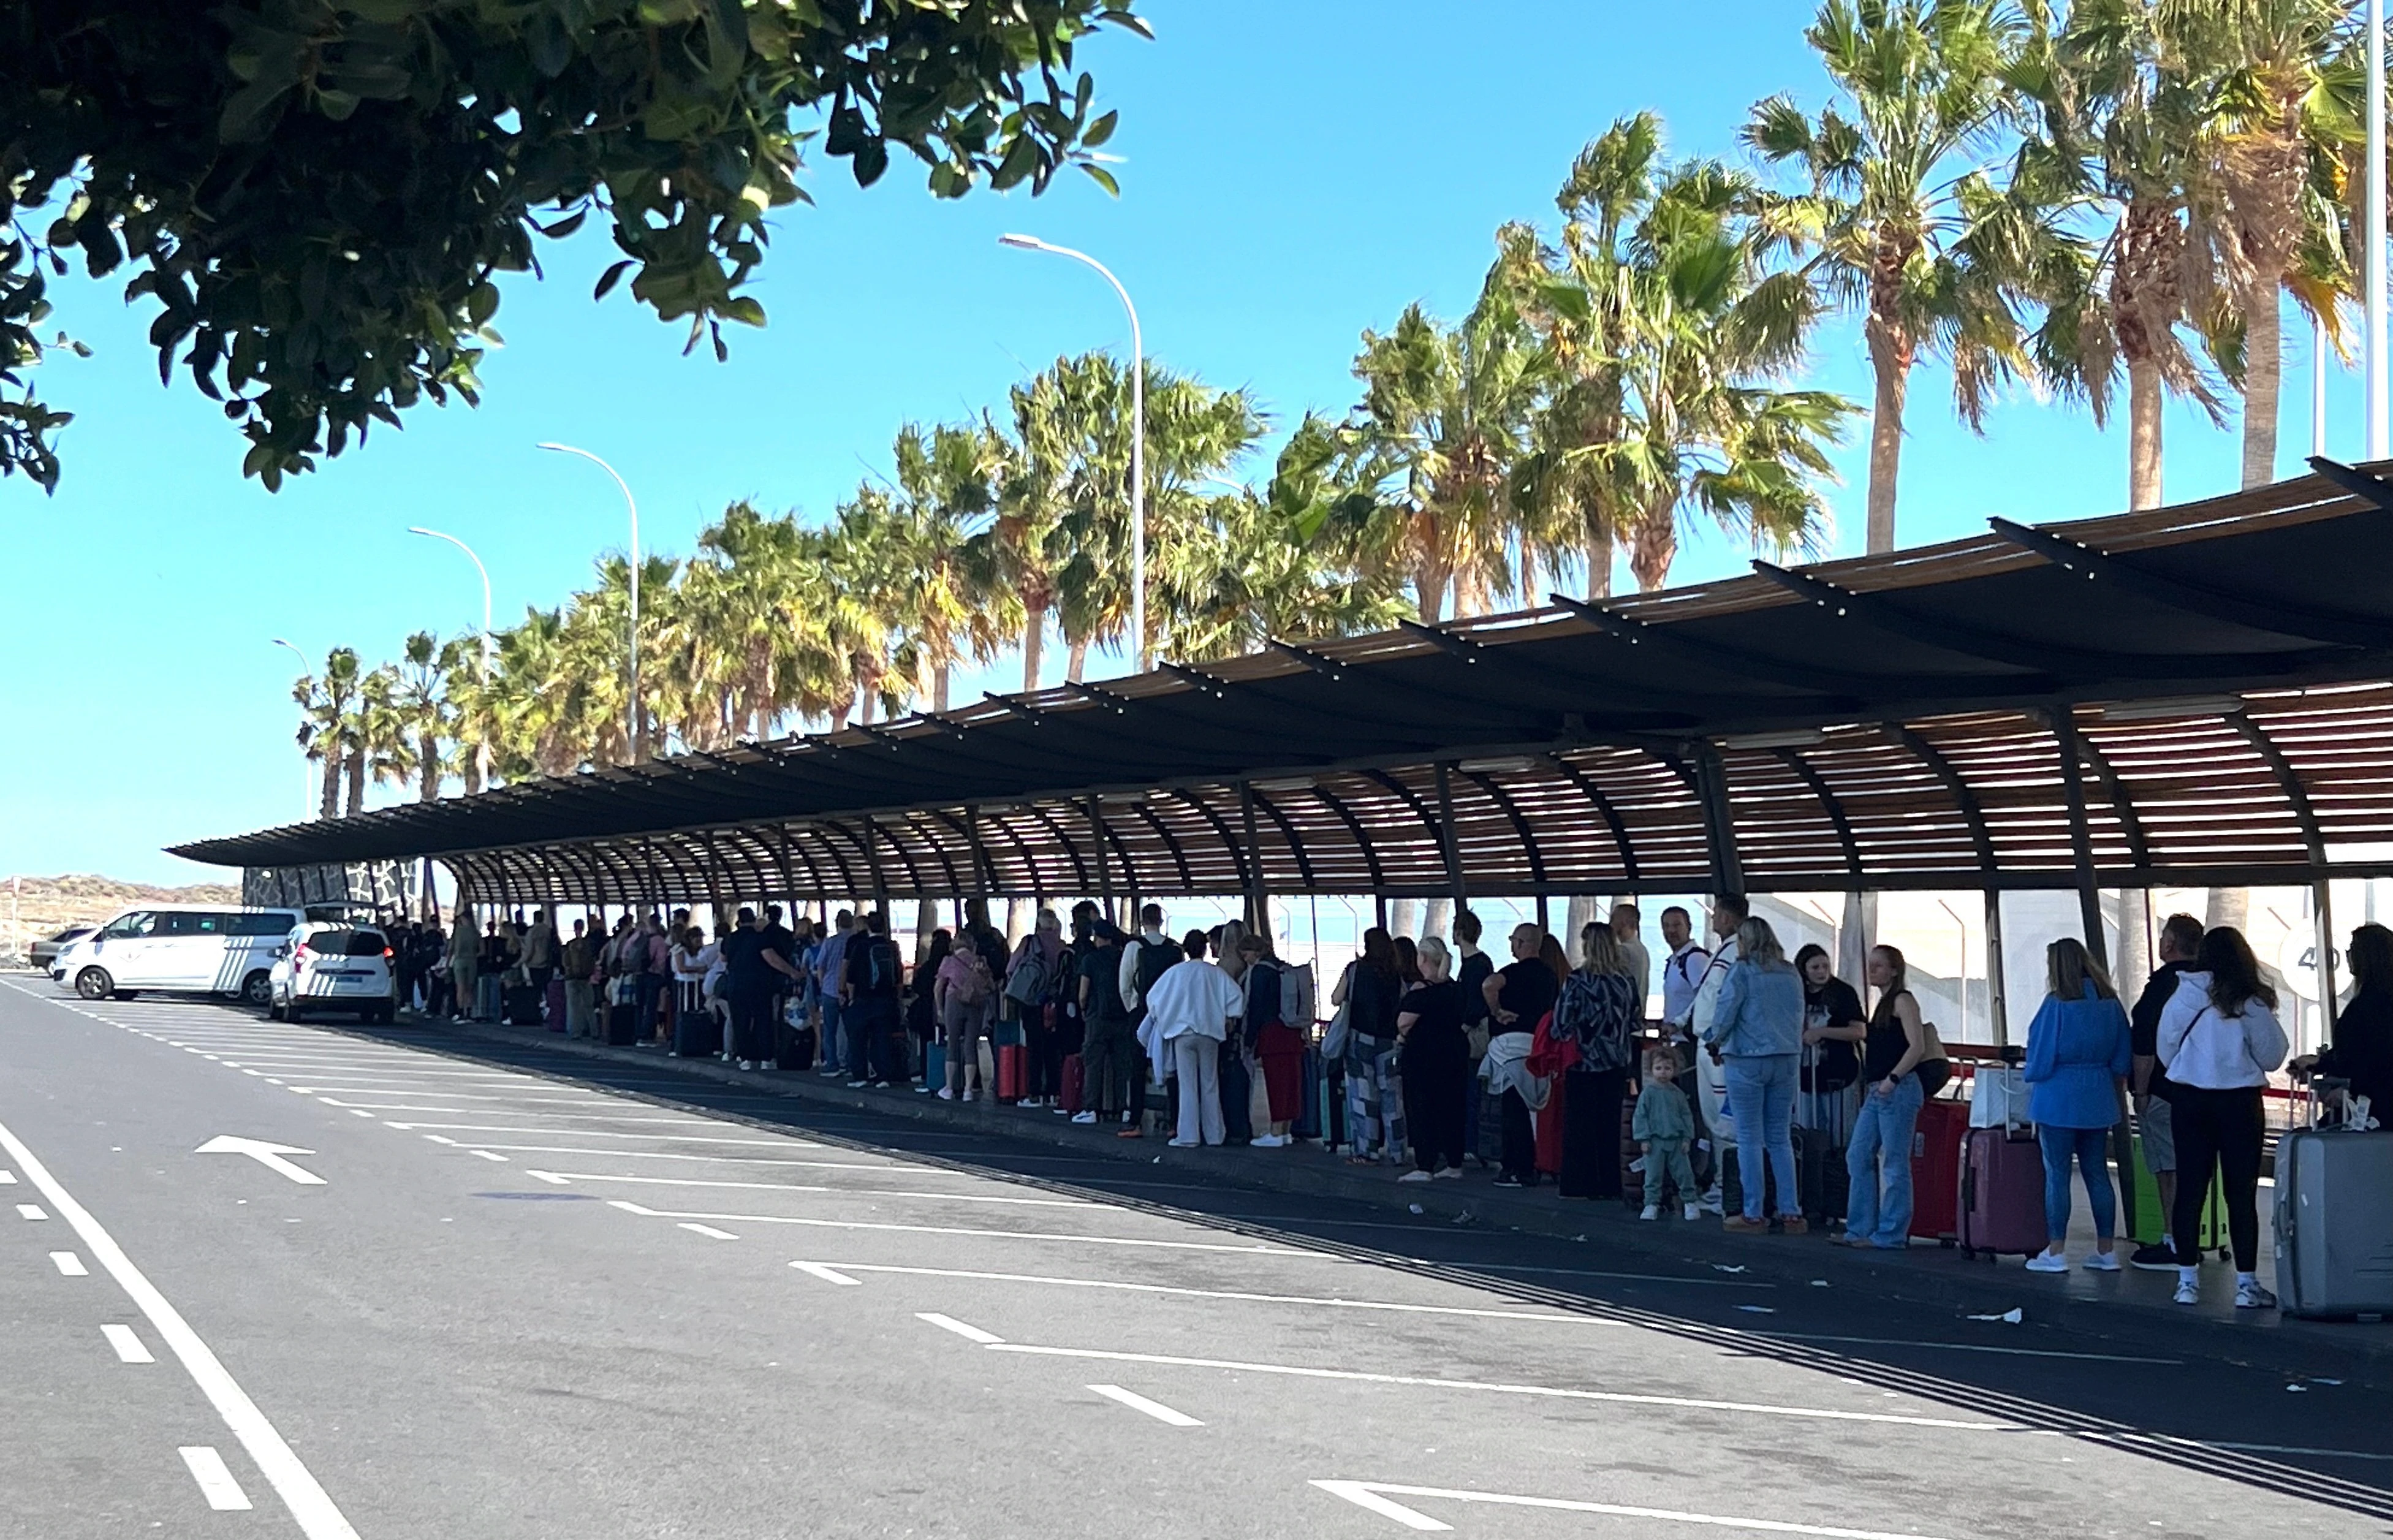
column 557, row 1005
column 2153, row 1221
column 794, row 1047
column 697, row 1035
column 523, row 1002
column 1549, row 1130
column 2001, row 1207
column 1936, row 1169
column 1072, row 1093
column 1821, row 1172
column 935, row 1064
column 1238, row 1102
column 1012, row 1061
column 1308, row 1115
column 2334, row 1259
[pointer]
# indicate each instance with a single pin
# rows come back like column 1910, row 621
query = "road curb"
column 2139, row 1313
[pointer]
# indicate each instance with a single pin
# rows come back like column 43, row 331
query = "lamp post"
column 307, row 775
column 2372, row 263
column 482, row 748
column 632, row 724
column 1137, row 436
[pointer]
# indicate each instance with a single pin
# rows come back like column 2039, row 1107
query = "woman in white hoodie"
column 2219, row 1040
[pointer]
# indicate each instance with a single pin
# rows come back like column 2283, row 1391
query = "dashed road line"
column 969, row 1332
column 69, row 1264
column 207, row 1467
column 1154, row 1409
column 128, row 1347
column 710, row 1232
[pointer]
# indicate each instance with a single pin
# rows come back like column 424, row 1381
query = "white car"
column 328, row 966
column 186, row 948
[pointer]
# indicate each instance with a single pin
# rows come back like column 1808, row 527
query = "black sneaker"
column 2156, row 1258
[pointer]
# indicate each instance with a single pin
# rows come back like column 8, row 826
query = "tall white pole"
column 306, row 772
column 481, row 749
column 2374, row 270
column 1137, row 438
column 632, row 710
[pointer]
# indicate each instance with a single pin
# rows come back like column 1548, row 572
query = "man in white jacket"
column 1729, row 911
column 2220, row 1040
column 1188, row 1014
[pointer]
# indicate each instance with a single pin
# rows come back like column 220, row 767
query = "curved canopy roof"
column 2195, row 695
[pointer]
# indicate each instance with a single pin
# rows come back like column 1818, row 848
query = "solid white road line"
column 1369, row 1496
column 217, row 1484
column 310, row 1507
column 30, row 1211
column 1584, row 1273
column 890, row 1167
column 1619, row 1398
column 710, row 1232
column 970, row 1333
column 128, row 1347
column 1154, row 1409
column 842, row 1192
column 827, row 1274
column 609, row 1133
column 69, row 1264
column 1544, row 1316
column 1257, row 1250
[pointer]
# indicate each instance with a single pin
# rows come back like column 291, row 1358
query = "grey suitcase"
column 2334, row 1246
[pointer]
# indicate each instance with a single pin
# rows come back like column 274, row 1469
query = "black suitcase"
column 1820, row 1171
column 697, row 1035
column 1237, row 1091
column 795, row 1047
column 523, row 1005
column 623, row 1024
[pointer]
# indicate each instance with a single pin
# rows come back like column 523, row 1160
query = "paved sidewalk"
column 2125, row 1305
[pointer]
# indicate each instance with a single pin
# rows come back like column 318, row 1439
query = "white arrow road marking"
column 970, row 1333
column 265, row 1153
column 1369, row 1495
column 827, row 1275
column 70, row 1264
column 217, row 1484
column 128, row 1347
column 1430, row 1382
column 1154, row 1409
column 8, row 1179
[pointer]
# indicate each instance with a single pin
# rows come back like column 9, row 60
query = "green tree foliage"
column 319, row 194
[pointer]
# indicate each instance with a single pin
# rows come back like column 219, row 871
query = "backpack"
column 975, row 985
column 1296, row 996
column 1154, row 958
column 1025, row 981
column 1578, row 1014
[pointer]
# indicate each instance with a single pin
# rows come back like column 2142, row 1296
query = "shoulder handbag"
column 1935, row 1066
column 1342, row 1026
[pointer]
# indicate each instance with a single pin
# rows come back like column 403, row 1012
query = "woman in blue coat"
column 2077, row 1057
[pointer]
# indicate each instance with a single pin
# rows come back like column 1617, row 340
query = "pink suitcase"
column 2002, row 1193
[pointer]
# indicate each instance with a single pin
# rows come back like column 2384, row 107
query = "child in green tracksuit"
column 1663, row 1125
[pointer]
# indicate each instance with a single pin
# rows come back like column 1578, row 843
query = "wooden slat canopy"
column 2195, row 696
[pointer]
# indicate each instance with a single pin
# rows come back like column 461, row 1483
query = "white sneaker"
column 1414, row 1176
column 971, row 1095
column 1710, row 1204
column 2047, row 1262
column 2102, row 1261
column 2189, row 1294
column 922, row 1090
column 1650, row 1212
column 1179, row 1144
column 1450, row 1173
column 2252, row 1296
column 946, row 1095
column 1267, row 1142
column 1695, row 1211
column 1084, row 1118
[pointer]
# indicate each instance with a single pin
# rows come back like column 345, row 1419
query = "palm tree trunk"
column 357, row 780
column 1886, row 439
column 2143, row 433
column 1429, row 590
column 427, row 753
column 332, row 803
column 1653, row 544
column 1034, row 644
column 2263, row 368
column 1075, row 659
column 865, row 691
column 939, row 689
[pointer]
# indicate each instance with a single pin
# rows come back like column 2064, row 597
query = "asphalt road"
column 532, row 1296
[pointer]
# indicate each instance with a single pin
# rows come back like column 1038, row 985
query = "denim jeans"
column 2086, row 1147
column 1762, row 1099
column 1884, row 1126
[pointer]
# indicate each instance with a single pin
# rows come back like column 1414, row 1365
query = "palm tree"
column 951, row 605
column 2119, row 118
column 1898, row 217
column 1446, row 412
column 2257, row 204
column 386, row 745
column 421, row 701
column 326, row 703
column 1661, row 332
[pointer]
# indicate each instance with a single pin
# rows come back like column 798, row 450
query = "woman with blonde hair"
column 1598, row 1015
column 1878, row 1205
column 1757, row 1034
column 2078, row 1054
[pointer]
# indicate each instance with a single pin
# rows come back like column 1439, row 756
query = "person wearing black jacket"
column 873, row 981
column 2362, row 1053
column 2180, row 937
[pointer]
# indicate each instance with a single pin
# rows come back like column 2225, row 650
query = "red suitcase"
column 1070, row 1090
column 2002, row 1193
column 1936, row 1169
column 1012, row 1061
column 1550, row 1129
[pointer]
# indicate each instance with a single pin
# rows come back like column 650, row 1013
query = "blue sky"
column 1295, row 173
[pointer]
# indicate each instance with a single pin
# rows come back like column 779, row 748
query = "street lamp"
column 307, row 775
column 632, row 727
column 482, row 748
column 1137, row 436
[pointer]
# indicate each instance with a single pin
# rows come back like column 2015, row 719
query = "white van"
column 189, row 948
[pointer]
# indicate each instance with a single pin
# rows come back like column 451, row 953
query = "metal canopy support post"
column 2322, row 924
column 2081, row 837
column 1720, row 825
column 1447, row 846
column 1997, row 1010
column 1258, row 901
